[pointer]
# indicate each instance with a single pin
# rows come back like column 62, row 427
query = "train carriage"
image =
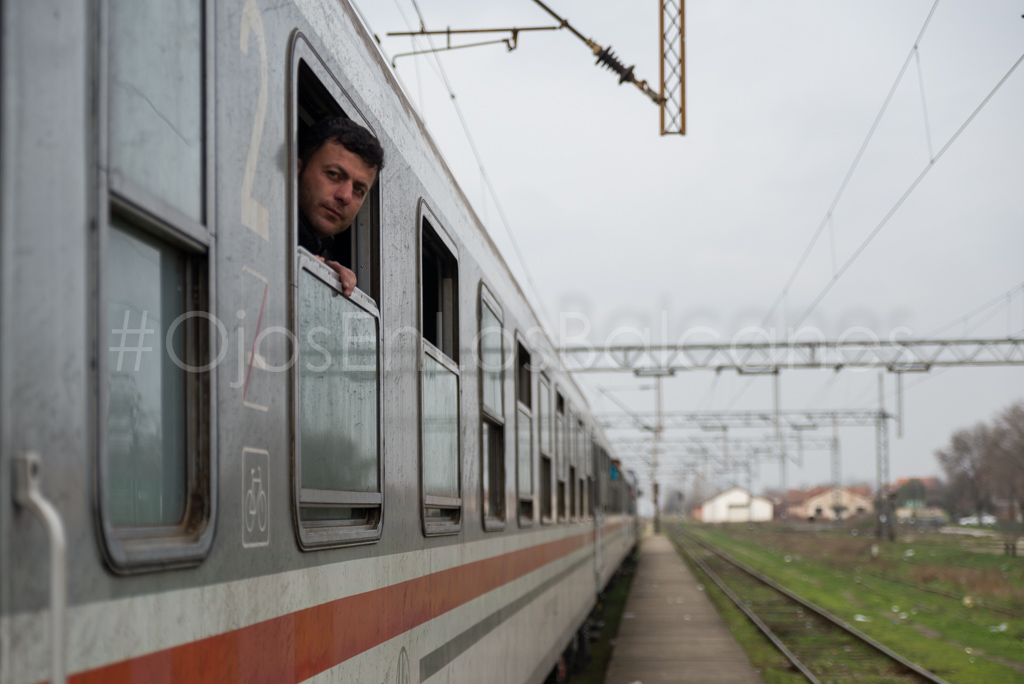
column 216, row 466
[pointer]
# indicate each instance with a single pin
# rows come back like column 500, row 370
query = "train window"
column 591, row 455
column 570, row 478
column 319, row 96
column 156, row 102
column 524, row 435
column 155, row 477
column 604, row 486
column 581, row 482
column 492, row 420
column 544, row 427
column 561, row 453
column 338, row 476
column 338, row 445
column 439, row 401
column 146, row 423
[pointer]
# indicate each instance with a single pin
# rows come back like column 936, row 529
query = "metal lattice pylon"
column 673, row 67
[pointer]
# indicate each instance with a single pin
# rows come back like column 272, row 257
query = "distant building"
column 929, row 483
column 735, row 505
column 921, row 514
column 819, row 503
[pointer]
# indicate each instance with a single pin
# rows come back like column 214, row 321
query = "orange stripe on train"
column 294, row 647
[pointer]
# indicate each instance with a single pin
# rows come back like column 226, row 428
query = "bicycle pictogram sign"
column 255, row 497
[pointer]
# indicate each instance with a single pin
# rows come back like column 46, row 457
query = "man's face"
column 332, row 186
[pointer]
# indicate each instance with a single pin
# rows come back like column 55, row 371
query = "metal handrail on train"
column 28, row 494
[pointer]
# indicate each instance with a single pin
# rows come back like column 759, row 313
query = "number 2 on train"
column 254, row 215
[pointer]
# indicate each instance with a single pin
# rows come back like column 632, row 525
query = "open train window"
column 544, row 428
column 336, row 391
column 318, row 96
column 524, row 435
column 492, row 411
column 561, row 456
column 439, row 378
column 156, row 477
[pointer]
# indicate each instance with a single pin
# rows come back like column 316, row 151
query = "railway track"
column 819, row 645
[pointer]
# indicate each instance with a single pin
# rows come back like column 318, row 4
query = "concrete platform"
column 670, row 631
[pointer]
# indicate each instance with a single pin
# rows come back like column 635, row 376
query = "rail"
column 841, row 624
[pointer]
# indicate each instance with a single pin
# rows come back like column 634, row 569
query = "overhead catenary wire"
column 924, row 102
column 917, row 181
column 849, row 173
column 966, row 317
column 1006, row 297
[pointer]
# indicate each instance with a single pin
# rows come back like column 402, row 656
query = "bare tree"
column 967, row 462
column 1008, row 435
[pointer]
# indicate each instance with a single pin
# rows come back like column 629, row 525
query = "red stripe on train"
column 297, row 646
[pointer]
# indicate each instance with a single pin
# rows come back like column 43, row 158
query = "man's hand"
column 348, row 277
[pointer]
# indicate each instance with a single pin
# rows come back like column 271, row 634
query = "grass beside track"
column 955, row 638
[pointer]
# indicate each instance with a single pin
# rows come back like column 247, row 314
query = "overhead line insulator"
column 608, row 59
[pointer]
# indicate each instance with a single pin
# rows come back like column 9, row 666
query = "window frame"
column 581, row 468
column 454, row 505
column 315, row 535
column 531, row 410
column 560, row 466
column 492, row 521
column 139, row 549
column 572, row 435
column 544, row 383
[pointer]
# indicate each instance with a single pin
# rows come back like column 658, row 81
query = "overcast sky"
column 621, row 225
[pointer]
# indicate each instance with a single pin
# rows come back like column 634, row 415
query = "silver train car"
column 216, row 468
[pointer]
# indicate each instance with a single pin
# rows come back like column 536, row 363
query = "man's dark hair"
column 346, row 133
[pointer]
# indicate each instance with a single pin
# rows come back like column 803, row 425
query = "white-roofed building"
column 735, row 505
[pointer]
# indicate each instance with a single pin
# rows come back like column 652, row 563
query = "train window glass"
column 570, row 467
column 318, row 97
column 588, row 471
column 603, row 473
column 338, row 465
column 571, row 487
column 545, row 490
column 440, row 294
column 440, row 377
column 492, row 361
column 591, row 478
column 561, row 453
column 440, row 430
column 156, row 479
column 146, row 423
column 544, row 427
column 524, row 382
column 605, row 480
column 156, row 101
column 524, row 436
column 580, row 482
column 524, row 472
column 492, row 436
